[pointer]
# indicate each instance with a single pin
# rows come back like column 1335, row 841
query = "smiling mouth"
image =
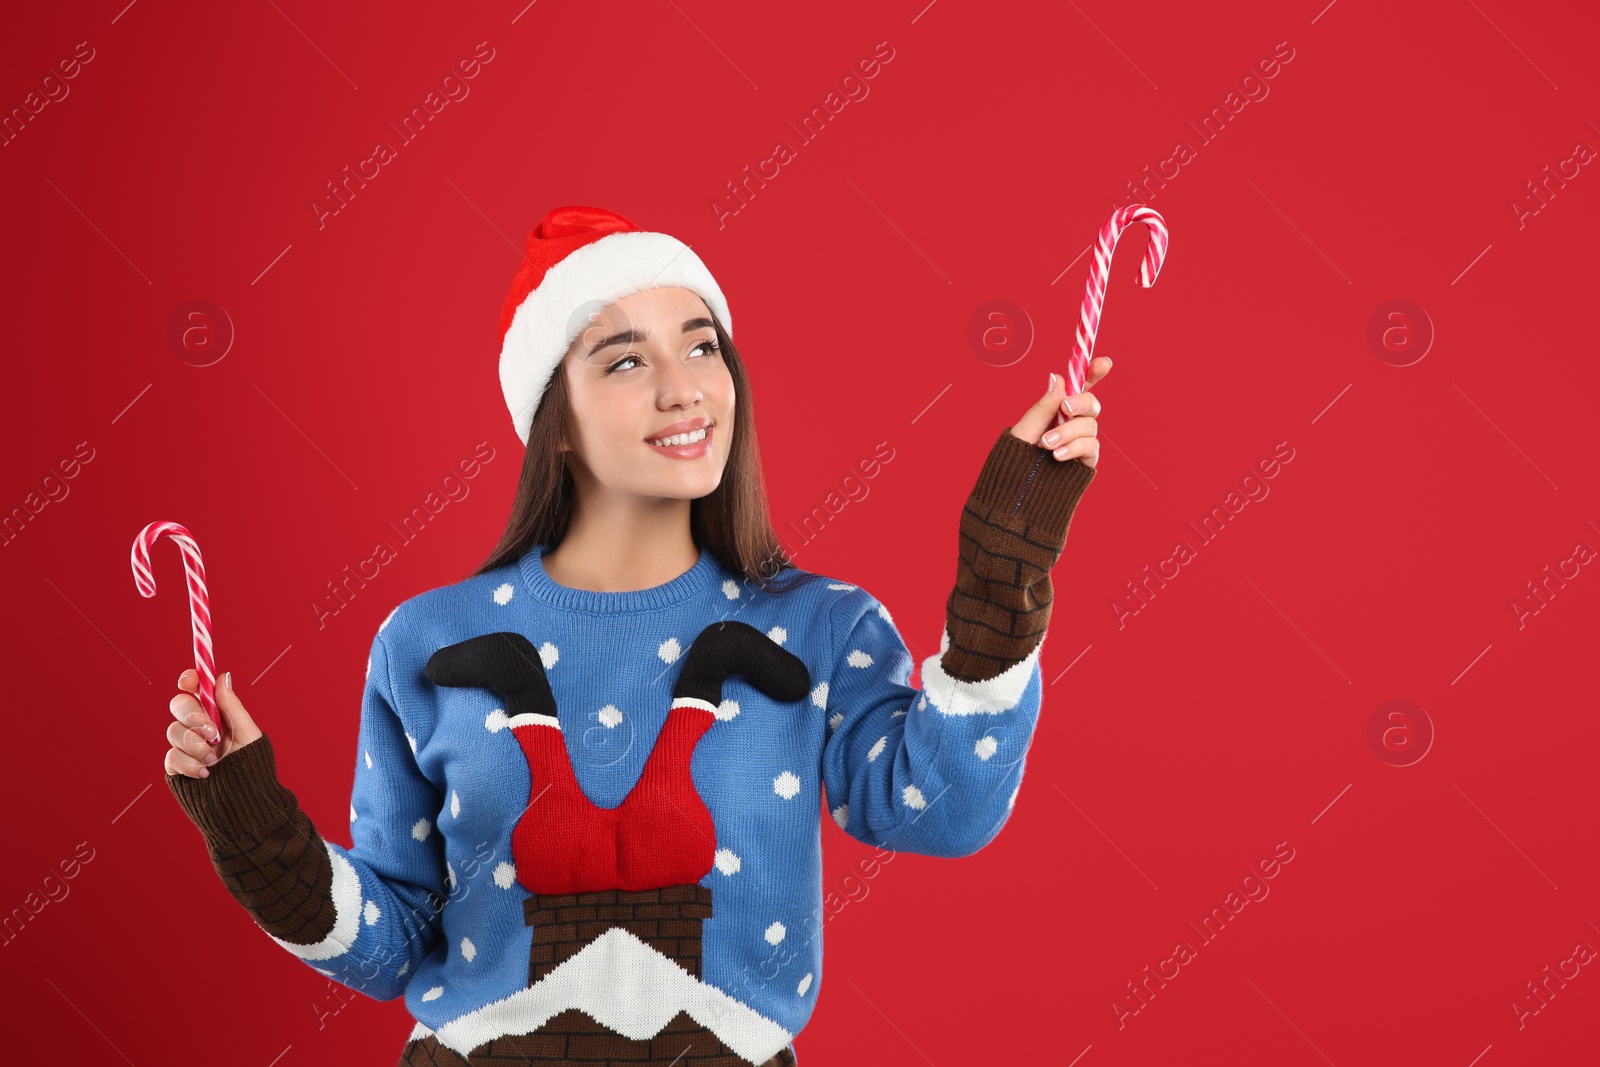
column 681, row 440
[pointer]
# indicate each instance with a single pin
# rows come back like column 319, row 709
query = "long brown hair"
column 732, row 520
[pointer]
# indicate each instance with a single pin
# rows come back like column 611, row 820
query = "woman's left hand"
column 1076, row 438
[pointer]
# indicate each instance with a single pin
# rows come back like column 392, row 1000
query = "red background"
column 1226, row 716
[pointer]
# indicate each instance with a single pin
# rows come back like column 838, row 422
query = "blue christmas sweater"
column 587, row 825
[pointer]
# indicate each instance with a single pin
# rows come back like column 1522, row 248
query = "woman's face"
column 647, row 363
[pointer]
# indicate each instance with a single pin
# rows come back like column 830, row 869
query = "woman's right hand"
column 190, row 735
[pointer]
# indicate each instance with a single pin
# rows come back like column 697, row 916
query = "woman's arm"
column 1013, row 530
column 367, row 915
column 936, row 771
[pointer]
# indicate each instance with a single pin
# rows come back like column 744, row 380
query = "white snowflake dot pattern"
column 805, row 984
column 352, row 813
column 775, row 933
column 609, row 716
column 727, row 861
column 859, row 658
column 727, row 710
column 412, row 741
column 1013, row 801
column 468, row 949
column 883, row 612
column 840, row 585
column 420, row 830
column 913, row 798
column 368, row 754
column 503, row 593
column 388, row 619
column 450, row 874
column 835, row 719
column 877, row 749
column 455, row 804
column 985, row 747
column 730, row 589
column 371, row 912
column 496, row 721
column 504, row 875
column 549, row 654
column 669, row 650
column 841, row 815
column 819, row 696
column 778, row 634
column 786, row 785
column 404, row 967
column 434, row 994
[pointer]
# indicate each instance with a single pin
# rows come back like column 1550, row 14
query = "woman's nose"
column 678, row 385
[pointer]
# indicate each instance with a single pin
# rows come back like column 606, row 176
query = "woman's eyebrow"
column 627, row 337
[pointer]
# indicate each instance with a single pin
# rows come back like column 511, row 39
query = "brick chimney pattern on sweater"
column 619, row 884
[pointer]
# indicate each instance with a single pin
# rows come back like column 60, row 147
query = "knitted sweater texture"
column 585, row 826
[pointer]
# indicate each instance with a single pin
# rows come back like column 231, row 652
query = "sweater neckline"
column 697, row 579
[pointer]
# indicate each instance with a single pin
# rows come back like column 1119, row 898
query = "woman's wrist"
column 240, row 797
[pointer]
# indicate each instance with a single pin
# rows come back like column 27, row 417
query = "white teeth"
column 681, row 438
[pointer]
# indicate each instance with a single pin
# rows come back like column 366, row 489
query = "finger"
column 1042, row 414
column 187, row 710
column 240, row 725
column 1080, row 404
column 178, row 763
column 190, row 743
column 1065, row 440
column 1099, row 367
column 189, row 681
column 1085, row 450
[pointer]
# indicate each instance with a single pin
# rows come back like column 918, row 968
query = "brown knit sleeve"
column 265, row 849
column 1013, row 530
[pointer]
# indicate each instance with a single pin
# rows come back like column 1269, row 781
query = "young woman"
column 590, row 776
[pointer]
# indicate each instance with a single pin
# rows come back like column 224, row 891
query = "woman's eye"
column 711, row 347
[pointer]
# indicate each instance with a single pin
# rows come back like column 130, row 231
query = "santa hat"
column 578, row 260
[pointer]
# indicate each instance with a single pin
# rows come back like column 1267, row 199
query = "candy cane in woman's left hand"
column 199, row 608
column 1094, row 295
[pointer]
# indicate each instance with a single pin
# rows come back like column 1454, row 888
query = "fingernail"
column 227, row 680
column 209, row 732
column 1051, row 438
column 1052, row 387
column 211, row 757
column 1070, row 406
column 180, row 679
column 204, row 773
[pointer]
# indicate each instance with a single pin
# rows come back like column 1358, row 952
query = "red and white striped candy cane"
column 199, row 607
column 1094, row 296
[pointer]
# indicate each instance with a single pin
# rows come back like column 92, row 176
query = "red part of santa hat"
column 578, row 260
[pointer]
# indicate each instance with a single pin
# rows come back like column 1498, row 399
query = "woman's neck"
column 619, row 555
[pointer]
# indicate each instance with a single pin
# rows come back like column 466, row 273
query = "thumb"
column 242, row 728
column 1042, row 415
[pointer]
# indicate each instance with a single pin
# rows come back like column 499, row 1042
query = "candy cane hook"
column 199, row 608
column 1094, row 296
